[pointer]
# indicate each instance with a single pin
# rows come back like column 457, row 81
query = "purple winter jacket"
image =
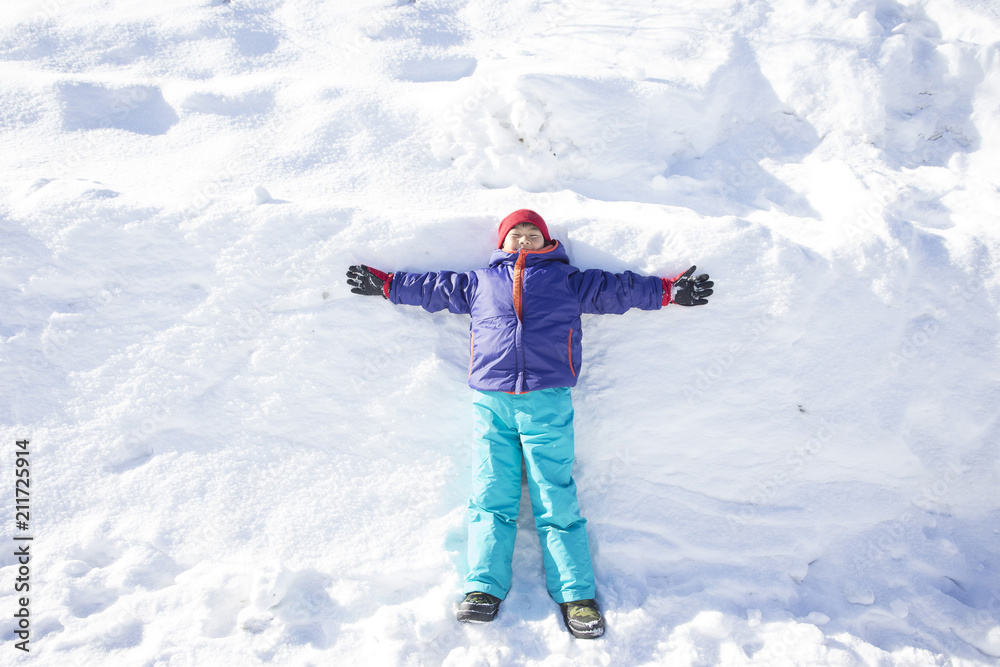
column 525, row 308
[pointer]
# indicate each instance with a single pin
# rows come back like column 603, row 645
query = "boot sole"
column 586, row 634
column 476, row 616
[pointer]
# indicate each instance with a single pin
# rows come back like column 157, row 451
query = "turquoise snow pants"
column 538, row 428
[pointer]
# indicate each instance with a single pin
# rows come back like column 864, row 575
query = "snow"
column 235, row 461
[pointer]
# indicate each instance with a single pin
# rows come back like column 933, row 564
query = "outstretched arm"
column 603, row 292
column 606, row 293
column 432, row 291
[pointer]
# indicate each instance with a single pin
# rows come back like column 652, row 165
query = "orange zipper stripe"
column 519, row 268
column 519, row 283
column 522, row 255
column 570, row 346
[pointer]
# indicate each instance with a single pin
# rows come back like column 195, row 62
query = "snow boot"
column 478, row 608
column 583, row 619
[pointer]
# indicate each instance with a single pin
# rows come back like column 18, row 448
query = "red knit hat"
column 519, row 216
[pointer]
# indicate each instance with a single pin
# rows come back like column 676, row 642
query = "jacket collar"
column 550, row 253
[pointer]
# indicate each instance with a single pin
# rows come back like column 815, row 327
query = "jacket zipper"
column 519, row 281
column 518, row 309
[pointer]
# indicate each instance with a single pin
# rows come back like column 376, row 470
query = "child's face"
column 527, row 237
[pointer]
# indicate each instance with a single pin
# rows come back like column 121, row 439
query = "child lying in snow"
column 525, row 355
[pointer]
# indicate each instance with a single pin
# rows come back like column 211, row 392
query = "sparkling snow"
column 235, row 461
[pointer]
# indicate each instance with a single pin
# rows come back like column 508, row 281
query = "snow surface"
column 235, row 461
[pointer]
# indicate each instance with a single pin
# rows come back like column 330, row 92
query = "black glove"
column 688, row 291
column 366, row 280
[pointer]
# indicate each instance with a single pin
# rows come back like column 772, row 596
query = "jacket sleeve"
column 433, row 291
column 604, row 293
